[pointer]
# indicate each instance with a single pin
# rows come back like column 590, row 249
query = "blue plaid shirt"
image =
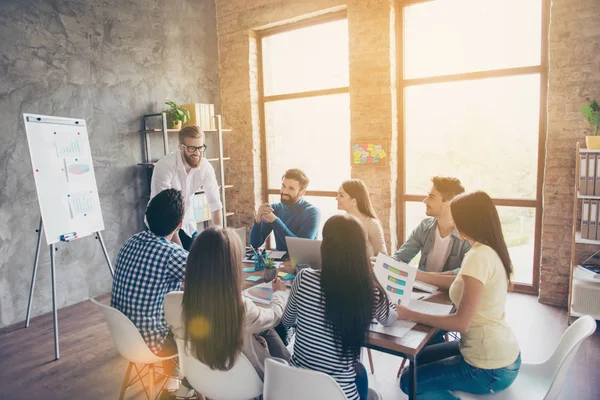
column 148, row 267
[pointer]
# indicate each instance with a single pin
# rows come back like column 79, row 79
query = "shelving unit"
column 584, row 294
column 150, row 123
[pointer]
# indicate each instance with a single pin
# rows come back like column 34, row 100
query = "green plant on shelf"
column 176, row 113
column 591, row 112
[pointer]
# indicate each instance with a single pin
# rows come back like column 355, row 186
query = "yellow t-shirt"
column 490, row 343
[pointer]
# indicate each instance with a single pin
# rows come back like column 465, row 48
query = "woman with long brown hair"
column 353, row 197
column 332, row 308
column 487, row 358
column 211, row 314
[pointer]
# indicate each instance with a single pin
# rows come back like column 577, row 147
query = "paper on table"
column 396, row 277
column 416, row 296
column 427, row 307
column 399, row 328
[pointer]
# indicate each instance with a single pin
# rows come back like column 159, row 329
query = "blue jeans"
column 441, row 369
column 362, row 381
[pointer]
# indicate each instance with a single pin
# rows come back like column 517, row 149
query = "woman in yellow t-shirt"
column 487, row 358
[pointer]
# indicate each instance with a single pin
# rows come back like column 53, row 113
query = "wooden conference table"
column 407, row 346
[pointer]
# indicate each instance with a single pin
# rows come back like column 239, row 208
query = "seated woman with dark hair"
column 333, row 308
column 212, row 315
column 487, row 358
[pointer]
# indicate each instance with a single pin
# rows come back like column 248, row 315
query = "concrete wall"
column 107, row 62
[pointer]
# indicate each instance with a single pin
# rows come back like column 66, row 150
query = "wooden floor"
column 90, row 367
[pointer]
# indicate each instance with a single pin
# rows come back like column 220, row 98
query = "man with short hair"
column 149, row 265
column 187, row 170
column 435, row 237
column 293, row 216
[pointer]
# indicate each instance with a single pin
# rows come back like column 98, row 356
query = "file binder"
column 597, row 185
column 593, row 221
column 591, row 174
column 585, row 215
column 583, row 174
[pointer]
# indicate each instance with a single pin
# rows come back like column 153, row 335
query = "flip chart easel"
column 66, row 189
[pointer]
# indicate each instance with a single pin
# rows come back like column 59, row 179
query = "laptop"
column 304, row 251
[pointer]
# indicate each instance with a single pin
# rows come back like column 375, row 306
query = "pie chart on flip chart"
column 79, row 169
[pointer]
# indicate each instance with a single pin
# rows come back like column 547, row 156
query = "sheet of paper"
column 249, row 269
column 399, row 328
column 81, row 204
column 78, row 169
column 396, row 277
column 427, row 307
column 276, row 254
column 416, row 296
column 67, row 144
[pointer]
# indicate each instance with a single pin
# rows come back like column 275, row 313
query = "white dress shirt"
column 169, row 173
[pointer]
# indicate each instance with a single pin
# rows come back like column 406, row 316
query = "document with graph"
column 396, row 277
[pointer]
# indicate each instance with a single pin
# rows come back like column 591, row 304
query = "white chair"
column 284, row 382
column 543, row 381
column 241, row 382
column 130, row 344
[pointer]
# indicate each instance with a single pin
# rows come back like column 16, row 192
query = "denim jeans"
column 361, row 380
column 186, row 241
column 441, row 369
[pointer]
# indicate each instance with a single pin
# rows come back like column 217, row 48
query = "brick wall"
column 372, row 92
column 573, row 75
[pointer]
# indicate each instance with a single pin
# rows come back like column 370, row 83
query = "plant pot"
column 174, row 124
column 269, row 274
column 592, row 142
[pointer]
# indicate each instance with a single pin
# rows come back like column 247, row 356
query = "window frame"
column 541, row 69
column 262, row 99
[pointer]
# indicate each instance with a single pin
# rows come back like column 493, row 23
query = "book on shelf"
column 593, row 221
column 585, row 215
column 583, row 174
column 202, row 115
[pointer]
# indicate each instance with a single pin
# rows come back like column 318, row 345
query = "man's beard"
column 191, row 162
column 288, row 201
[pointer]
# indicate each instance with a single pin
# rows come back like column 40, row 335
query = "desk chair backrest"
column 126, row 337
column 241, row 382
column 290, row 383
column 558, row 364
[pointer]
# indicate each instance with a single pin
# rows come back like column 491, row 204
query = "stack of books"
column 202, row 115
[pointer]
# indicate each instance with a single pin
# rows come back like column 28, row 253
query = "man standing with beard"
column 188, row 171
column 293, row 216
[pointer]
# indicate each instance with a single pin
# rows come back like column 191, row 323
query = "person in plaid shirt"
column 149, row 266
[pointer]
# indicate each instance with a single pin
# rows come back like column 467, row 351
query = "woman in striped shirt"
column 332, row 308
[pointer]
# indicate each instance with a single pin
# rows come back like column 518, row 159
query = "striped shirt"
column 314, row 346
column 148, row 267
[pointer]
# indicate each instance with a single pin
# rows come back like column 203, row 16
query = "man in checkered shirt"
column 149, row 266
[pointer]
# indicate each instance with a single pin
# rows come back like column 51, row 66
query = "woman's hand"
column 278, row 285
column 403, row 312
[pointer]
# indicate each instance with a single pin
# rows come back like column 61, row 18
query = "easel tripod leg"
column 33, row 275
column 99, row 236
column 53, row 271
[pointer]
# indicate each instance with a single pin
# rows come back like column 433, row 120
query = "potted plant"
column 591, row 112
column 176, row 115
column 270, row 270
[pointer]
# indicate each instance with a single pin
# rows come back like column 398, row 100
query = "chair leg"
column 126, row 381
column 151, row 381
column 371, row 361
column 401, row 366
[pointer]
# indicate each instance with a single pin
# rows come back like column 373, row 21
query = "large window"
column 305, row 106
column 472, row 92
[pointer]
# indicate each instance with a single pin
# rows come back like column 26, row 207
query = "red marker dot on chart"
column 37, row 170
